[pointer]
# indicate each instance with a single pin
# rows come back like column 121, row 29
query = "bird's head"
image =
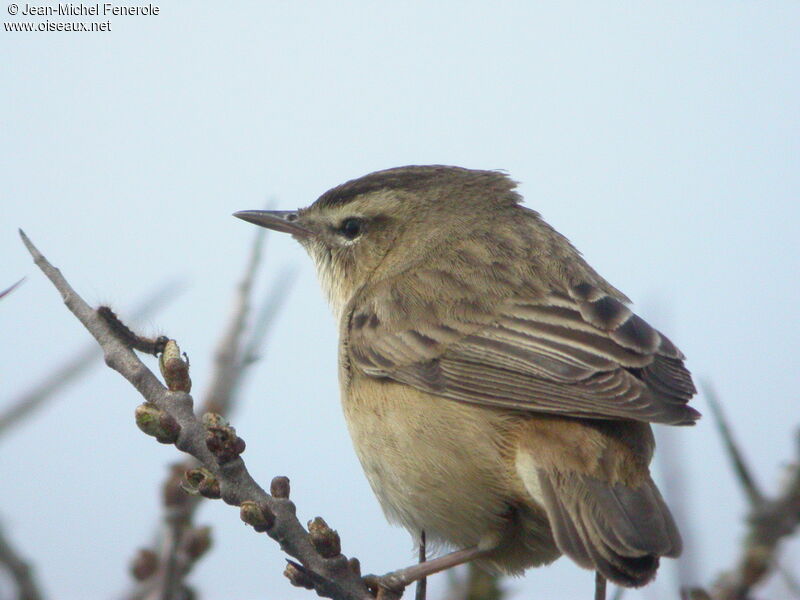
column 383, row 223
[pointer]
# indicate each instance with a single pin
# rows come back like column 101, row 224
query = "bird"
column 498, row 391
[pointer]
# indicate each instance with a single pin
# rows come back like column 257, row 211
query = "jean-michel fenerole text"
column 107, row 9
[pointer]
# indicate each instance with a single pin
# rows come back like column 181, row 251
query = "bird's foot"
column 396, row 581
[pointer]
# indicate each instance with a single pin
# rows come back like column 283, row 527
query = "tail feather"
column 565, row 531
column 618, row 530
column 638, row 516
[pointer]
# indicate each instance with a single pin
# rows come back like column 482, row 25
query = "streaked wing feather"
column 583, row 354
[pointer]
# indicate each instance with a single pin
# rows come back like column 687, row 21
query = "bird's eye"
column 350, row 228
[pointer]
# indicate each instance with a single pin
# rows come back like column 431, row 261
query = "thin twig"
column 19, row 569
column 269, row 309
column 11, row 288
column 231, row 360
column 333, row 577
column 758, row 559
column 770, row 521
column 739, row 466
column 46, row 389
column 227, row 358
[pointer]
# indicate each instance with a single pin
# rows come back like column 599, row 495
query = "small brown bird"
column 498, row 391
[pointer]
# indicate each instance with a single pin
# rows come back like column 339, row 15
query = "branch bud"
column 297, row 575
column 202, row 481
column 221, row 438
column 157, row 423
column 174, row 369
column 355, row 566
column 260, row 517
column 325, row 540
column 144, row 565
column 279, row 487
column 197, row 542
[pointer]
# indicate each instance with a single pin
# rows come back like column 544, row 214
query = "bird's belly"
column 434, row 464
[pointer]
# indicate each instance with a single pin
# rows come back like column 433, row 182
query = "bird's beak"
column 279, row 220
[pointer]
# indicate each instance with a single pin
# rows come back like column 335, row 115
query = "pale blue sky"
column 661, row 138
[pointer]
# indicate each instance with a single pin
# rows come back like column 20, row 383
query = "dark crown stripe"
column 410, row 178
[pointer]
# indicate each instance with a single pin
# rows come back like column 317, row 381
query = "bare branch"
column 228, row 357
column 11, row 288
column 19, row 569
column 165, row 579
column 161, row 571
column 739, row 466
column 213, row 444
column 45, row 389
column 770, row 520
column 269, row 309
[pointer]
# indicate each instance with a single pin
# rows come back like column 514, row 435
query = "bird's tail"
column 619, row 530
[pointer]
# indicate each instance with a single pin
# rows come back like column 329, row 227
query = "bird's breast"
column 435, row 465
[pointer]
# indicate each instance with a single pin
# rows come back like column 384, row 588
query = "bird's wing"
column 581, row 353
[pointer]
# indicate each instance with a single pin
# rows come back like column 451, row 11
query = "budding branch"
column 333, row 577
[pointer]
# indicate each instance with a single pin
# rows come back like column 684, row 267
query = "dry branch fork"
column 168, row 415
